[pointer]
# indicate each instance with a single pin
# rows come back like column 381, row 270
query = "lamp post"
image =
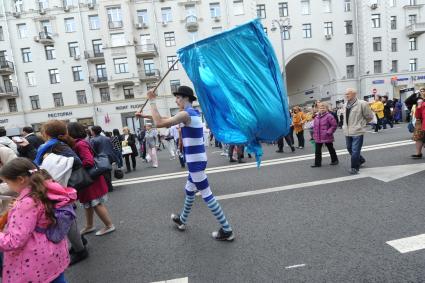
column 283, row 25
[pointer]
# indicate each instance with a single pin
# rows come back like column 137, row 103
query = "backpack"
column 64, row 216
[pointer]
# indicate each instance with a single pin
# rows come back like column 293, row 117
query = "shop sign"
column 378, row 82
column 4, row 121
column 126, row 107
column 59, row 114
column 418, row 78
column 402, row 79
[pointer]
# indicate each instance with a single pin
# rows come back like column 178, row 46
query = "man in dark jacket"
column 103, row 145
column 33, row 139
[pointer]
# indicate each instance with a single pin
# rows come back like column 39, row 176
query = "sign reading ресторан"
column 125, row 107
column 59, row 114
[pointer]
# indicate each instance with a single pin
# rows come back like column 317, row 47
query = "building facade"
column 92, row 61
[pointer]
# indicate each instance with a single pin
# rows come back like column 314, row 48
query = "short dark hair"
column 116, row 132
column 76, row 130
column 96, row 130
column 28, row 129
column 2, row 132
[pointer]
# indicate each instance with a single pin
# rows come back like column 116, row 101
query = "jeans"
column 354, row 147
column 118, row 154
column 318, row 153
column 60, row 279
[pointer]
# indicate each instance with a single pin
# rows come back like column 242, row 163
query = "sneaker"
column 105, row 230
column 292, row 148
column 354, row 171
column 300, row 147
column 223, row 154
column 176, row 219
column 334, row 162
column 80, row 256
column 222, row 235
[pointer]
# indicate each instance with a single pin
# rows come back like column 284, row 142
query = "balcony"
column 45, row 38
column 146, row 50
column 99, row 81
column 6, row 67
column 94, row 56
column 415, row 29
column 149, row 75
column 9, row 91
column 115, row 24
column 192, row 23
column 413, row 6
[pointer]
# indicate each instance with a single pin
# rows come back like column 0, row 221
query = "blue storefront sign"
column 402, row 79
column 378, row 82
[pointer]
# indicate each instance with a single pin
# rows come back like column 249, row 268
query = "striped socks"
column 215, row 208
column 188, row 203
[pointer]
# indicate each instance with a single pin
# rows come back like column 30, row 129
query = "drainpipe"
column 357, row 24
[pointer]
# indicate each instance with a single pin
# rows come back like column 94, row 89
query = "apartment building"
column 92, row 61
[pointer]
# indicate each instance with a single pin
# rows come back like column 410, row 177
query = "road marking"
column 178, row 280
column 385, row 174
column 227, row 168
column 409, row 244
column 295, row 266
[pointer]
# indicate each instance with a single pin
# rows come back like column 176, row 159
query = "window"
column 377, row 44
column 394, row 66
column 104, row 95
column 261, row 11
column 68, row 2
column 77, row 73
column 327, row 6
column 121, row 65
column 35, row 102
column 74, row 50
column 413, row 43
column 101, row 72
column 30, row 77
column 305, row 7
column 115, row 17
column 1, row 34
column 377, row 66
column 328, row 28
column 170, row 61
column 350, row 71
column 190, row 10
column 238, row 7
column 413, row 65
column 347, row 5
column 54, row 76
column 349, row 27
column 50, row 52
column 118, row 39
column 142, row 16
column 394, row 45
column 149, row 66
column 307, row 30
column 13, row 107
column 46, row 26
column 166, row 15
column 22, row 30
column 97, row 47
column 43, row 4
column 58, row 99
column 26, row 55
column 150, row 86
column 349, row 49
column 283, row 9
column 215, row 10
column 286, row 33
column 70, row 25
column 128, row 92
column 94, row 22
column 170, row 39
column 393, row 22
column 392, row 3
column 217, row 30
column 376, row 20
column 412, row 19
column 174, row 85
column 81, row 97
column 413, row 2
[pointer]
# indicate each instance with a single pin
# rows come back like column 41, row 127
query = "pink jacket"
column 324, row 128
column 28, row 255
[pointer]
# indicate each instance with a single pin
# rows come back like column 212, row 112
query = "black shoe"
column 362, row 162
column 232, row 160
column 315, row 166
column 249, row 155
column 176, row 219
column 293, row 148
column 80, row 256
column 241, row 161
column 416, row 156
column 354, row 171
column 222, row 235
column 279, row 151
column 334, row 162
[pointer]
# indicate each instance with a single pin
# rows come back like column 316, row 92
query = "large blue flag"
column 239, row 86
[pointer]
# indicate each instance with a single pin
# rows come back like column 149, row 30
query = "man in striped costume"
column 196, row 159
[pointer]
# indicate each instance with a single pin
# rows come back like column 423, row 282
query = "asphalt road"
column 324, row 233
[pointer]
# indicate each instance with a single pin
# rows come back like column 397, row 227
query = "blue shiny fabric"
column 240, row 88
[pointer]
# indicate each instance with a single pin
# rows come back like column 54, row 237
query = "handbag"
column 126, row 150
column 101, row 165
column 80, row 179
column 410, row 127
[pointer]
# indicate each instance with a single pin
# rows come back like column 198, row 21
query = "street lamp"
column 284, row 25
